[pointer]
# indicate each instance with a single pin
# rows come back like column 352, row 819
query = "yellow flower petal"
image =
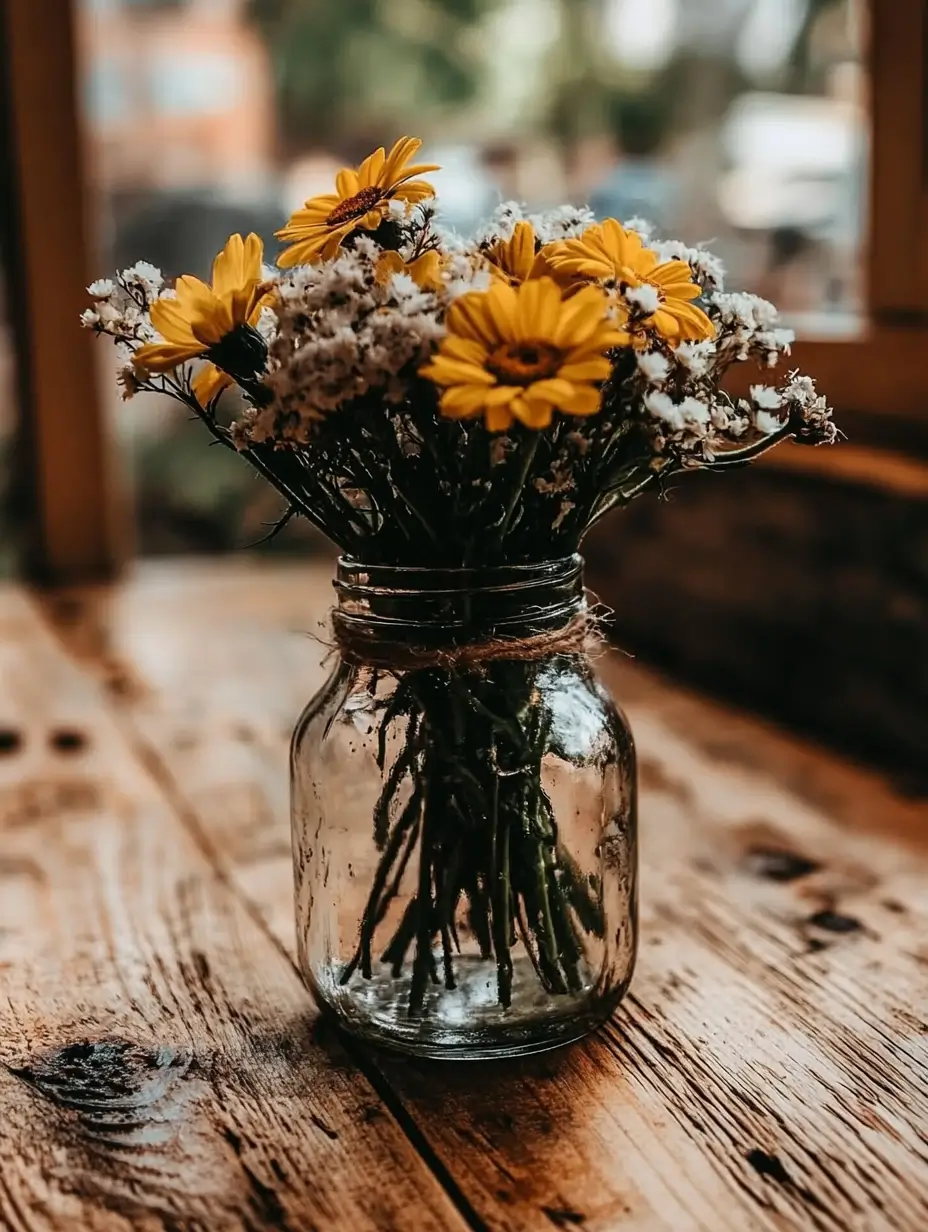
column 208, row 382
column 200, row 315
column 370, row 169
column 359, row 203
column 584, row 400
column 415, row 190
column 462, row 402
column 580, row 317
column 537, row 415
column 597, row 369
column 467, row 349
column 164, row 356
column 445, row 371
column 525, row 351
column 498, row 418
column 500, row 304
column 346, row 183
column 173, row 324
column 468, row 317
column 514, row 259
column 538, row 308
column 228, row 267
column 555, row 391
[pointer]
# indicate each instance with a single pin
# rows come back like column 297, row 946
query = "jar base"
column 466, row 1023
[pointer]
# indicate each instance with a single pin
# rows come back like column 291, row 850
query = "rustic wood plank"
column 159, row 1066
column 769, row 1070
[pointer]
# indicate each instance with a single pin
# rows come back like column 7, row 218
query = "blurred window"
column 194, row 83
column 108, row 100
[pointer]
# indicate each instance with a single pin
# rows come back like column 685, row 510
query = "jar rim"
column 356, row 577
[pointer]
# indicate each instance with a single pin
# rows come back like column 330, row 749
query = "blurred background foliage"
column 736, row 122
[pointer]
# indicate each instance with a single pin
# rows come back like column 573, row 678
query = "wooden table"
column 161, row 1066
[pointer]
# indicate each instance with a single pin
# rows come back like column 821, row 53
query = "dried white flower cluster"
column 121, row 305
column 748, row 328
column 708, row 270
column 685, row 411
column 341, row 332
column 121, row 311
column 364, row 323
column 561, row 223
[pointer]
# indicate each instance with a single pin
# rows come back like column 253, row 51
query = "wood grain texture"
column 769, row 1070
column 160, row 1066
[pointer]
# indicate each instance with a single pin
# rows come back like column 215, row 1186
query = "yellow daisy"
column 425, row 270
column 608, row 253
column 515, row 260
column 361, row 202
column 524, row 352
column 202, row 315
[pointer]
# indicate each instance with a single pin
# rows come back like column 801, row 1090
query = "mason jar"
column 464, row 815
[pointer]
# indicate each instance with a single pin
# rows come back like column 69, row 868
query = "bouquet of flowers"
column 432, row 401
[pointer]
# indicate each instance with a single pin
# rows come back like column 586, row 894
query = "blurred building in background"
column 741, row 123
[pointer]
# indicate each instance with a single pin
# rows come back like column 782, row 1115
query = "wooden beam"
column 898, row 259
column 69, row 478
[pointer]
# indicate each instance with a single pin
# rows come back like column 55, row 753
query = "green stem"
column 529, row 456
column 500, row 888
column 422, row 963
column 737, row 457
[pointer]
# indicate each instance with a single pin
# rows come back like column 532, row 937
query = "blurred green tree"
column 356, row 71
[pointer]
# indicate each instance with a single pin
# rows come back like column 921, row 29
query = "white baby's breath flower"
column 663, row 407
column 101, row 288
column 340, row 333
column 766, row 422
column 641, row 227
column 266, row 324
column 695, row 356
column 128, row 382
column 90, row 319
column 653, row 365
column 502, row 222
column 143, row 277
column 766, row 398
column 367, row 247
column 645, row 298
column 694, row 411
column 561, row 223
column 784, row 339
column 708, row 270
column 108, row 313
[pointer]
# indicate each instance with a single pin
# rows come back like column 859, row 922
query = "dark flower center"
column 521, row 363
column 242, row 353
column 355, row 207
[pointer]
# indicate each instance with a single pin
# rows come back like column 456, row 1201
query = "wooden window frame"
column 66, row 456
column 871, row 379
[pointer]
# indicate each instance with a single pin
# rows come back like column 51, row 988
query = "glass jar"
column 464, row 829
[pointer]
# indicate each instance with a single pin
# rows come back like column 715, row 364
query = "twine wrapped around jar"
column 363, row 646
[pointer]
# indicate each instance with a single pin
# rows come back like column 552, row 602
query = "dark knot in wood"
column 118, row 1090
